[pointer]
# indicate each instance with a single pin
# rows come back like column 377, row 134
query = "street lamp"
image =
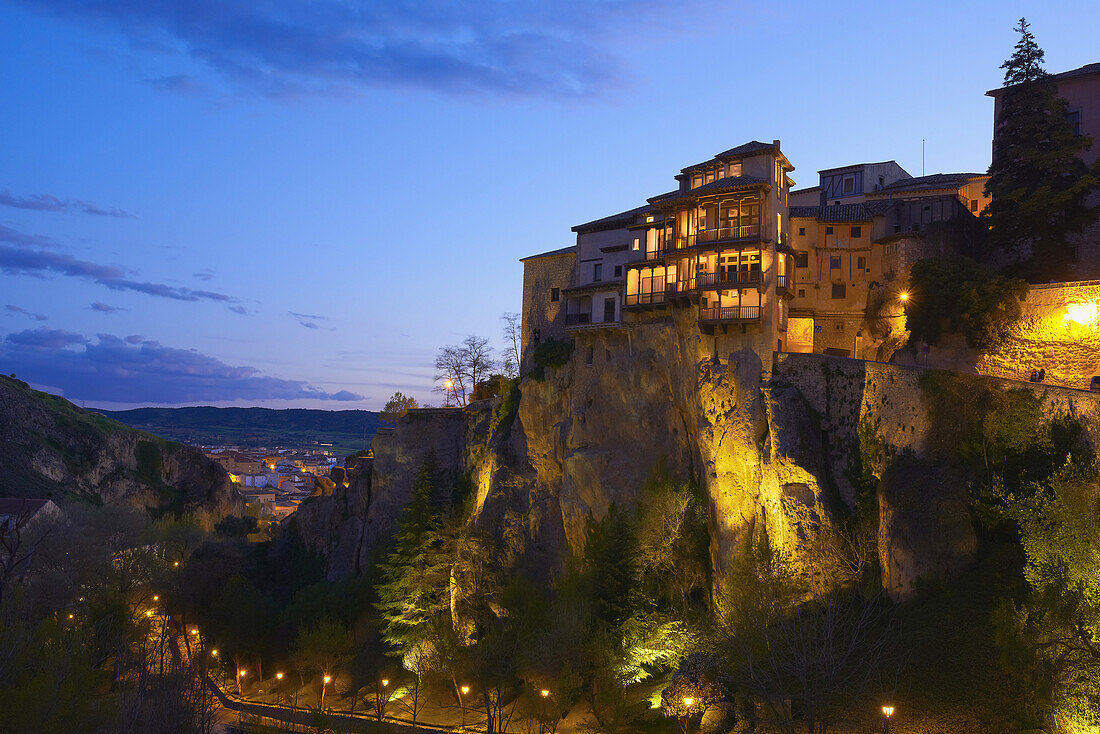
column 462, row 703
column 324, row 684
column 545, row 693
column 904, row 295
column 686, row 720
column 278, row 676
column 887, row 711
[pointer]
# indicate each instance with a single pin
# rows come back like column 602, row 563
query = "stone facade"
column 545, row 278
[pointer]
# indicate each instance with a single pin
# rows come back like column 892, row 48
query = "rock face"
column 51, row 448
column 780, row 450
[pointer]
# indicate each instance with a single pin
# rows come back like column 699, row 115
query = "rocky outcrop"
column 782, row 451
column 51, row 448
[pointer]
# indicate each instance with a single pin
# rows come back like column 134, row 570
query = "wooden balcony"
column 729, row 315
column 784, row 285
column 636, row 300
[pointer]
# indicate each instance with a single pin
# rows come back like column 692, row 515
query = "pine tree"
column 1038, row 182
column 414, row 581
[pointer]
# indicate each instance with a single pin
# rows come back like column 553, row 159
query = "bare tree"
column 459, row 368
column 512, row 338
column 18, row 542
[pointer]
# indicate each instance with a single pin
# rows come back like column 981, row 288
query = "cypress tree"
column 1038, row 182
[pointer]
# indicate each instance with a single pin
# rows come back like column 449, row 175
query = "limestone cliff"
column 51, row 448
column 784, row 450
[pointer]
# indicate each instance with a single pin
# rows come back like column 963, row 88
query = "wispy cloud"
column 50, row 203
column 139, row 370
column 101, row 307
column 533, row 48
column 38, row 262
column 20, row 310
column 311, row 316
column 205, row 274
column 15, row 237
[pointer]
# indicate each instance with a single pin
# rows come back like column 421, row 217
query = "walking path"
column 297, row 718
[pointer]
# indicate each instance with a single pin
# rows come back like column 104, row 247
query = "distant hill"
column 52, row 449
column 347, row 430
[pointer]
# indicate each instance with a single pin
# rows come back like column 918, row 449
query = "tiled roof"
column 927, row 183
column 563, row 251
column 729, row 183
column 612, row 222
column 834, row 213
column 749, row 148
column 1085, row 70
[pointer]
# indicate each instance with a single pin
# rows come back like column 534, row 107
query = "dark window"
column 973, row 205
column 839, row 324
column 802, row 260
column 588, row 357
column 834, row 262
column 597, row 272
column 801, row 292
column 861, row 263
column 608, row 309
column 537, row 335
column 1074, row 120
column 555, row 294
column 838, row 292
column 618, row 271
column 801, row 231
column 857, row 231
column 849, row 184
column 828, row 230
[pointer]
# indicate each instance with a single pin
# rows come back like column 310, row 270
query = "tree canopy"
column 1038, row 182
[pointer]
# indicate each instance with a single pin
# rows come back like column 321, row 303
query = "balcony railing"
column 574, row 319
column 720, row 234
column 728, row 279
column 730, row 313
column 783, row 284
column 645, row 299
column 666, row 242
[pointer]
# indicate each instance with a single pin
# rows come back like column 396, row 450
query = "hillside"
column 51, row 448
column 347, row 430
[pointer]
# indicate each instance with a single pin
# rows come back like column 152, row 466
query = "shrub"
column 552, row 354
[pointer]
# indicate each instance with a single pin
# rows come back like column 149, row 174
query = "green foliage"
column 492, row 386
column 397, row 406
column 550, row 355
column 505, row 413
column 233, row 526
column 321, row 647
column 966, row 298
column 149, row 463
column 1038, row 182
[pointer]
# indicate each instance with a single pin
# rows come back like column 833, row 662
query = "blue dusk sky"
column 295, row 204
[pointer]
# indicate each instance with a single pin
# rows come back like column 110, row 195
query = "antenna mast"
column 922, row 156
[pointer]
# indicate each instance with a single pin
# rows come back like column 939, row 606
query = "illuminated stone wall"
column 1060, row 332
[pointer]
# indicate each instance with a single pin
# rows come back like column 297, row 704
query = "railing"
column 573, row 319
column 783, row 283
column 645, row 299
column 719, row 234
column 728, row 279
column 730, row 313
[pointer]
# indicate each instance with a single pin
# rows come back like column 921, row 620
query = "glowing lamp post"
column 686, row 721
column 240, row 677
column 324, row 684
column 463, row 691
column 278, row 676
column 904, row 296
column 544, row 693
column 887, row 711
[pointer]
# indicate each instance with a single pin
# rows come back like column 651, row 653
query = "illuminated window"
column 735, row 169
column 696, row 180
column 637, row 242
